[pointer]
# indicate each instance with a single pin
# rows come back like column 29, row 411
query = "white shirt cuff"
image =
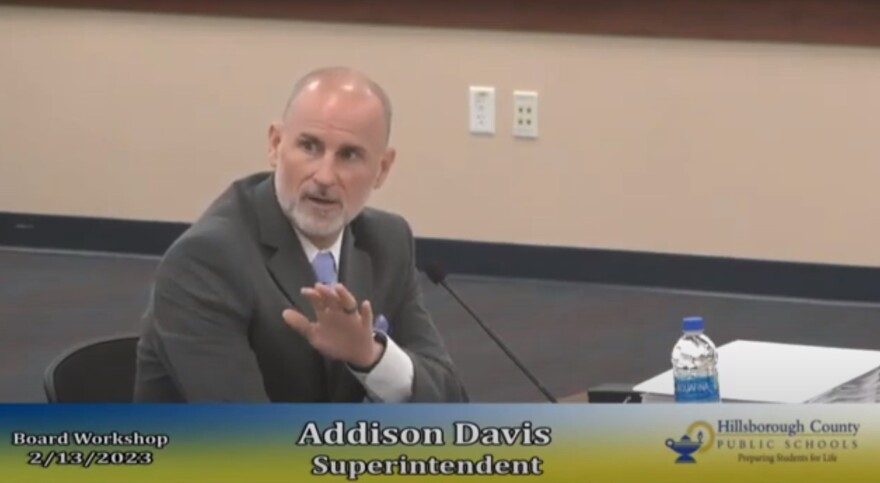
column 391, row 379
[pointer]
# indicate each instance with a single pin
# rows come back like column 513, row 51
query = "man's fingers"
column 329, row 299
column 317, row 299
column 326, row 291
column 297, row 321
column 367, row 314
column 346, row 299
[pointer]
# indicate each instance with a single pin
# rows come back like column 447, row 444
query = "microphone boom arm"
column 500, row 344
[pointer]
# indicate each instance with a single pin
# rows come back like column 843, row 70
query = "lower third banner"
column 427, row 442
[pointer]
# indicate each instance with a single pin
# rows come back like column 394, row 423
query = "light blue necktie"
column 325, row 268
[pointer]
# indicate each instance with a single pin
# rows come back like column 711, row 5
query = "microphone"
column 436, row 275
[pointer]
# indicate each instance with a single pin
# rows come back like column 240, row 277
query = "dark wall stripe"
column 715, row 274
column 91, row 234
column 853, row 22
column 757, row 277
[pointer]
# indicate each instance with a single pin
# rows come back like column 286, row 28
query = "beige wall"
column 723, row 148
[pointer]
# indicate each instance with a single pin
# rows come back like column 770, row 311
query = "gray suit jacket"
column 213, row 329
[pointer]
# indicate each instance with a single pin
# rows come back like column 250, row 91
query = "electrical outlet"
column 482, row 109
column 525, row 114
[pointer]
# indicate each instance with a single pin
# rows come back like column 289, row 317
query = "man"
column 288, row 288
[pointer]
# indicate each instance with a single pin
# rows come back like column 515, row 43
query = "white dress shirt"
column 390, row 380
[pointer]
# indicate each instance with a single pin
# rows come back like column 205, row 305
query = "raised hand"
column 342, row 330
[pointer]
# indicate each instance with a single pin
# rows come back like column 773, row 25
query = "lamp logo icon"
column 698, row 438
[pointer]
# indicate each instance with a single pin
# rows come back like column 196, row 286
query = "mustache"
column 322, row 193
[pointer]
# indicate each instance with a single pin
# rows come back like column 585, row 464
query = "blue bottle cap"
column 692, row 324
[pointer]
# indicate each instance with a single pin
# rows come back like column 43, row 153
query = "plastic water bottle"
column 695, row 364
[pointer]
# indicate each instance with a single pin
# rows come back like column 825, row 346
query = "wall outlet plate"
column 525, row 114
column 481, row 101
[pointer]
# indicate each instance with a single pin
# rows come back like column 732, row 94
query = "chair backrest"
column 96, row 371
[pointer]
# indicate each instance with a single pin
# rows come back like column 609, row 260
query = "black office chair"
column 97, row 371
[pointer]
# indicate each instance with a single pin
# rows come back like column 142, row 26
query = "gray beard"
column 310, row 225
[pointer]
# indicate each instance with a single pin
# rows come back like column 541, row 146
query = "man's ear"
column 274, row 143
column 385, row 165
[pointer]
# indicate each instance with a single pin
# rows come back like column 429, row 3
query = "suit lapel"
column 286, row 259
column 356, row 269
column 292, row 272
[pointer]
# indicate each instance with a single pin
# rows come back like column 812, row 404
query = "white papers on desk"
column 750, row 371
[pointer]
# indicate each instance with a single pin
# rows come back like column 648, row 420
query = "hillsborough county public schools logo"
column 698, row 438
column 755, row 441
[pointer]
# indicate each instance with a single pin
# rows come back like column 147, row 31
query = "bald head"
column 343, row 80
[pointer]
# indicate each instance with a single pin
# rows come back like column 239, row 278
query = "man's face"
column 329, row 154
